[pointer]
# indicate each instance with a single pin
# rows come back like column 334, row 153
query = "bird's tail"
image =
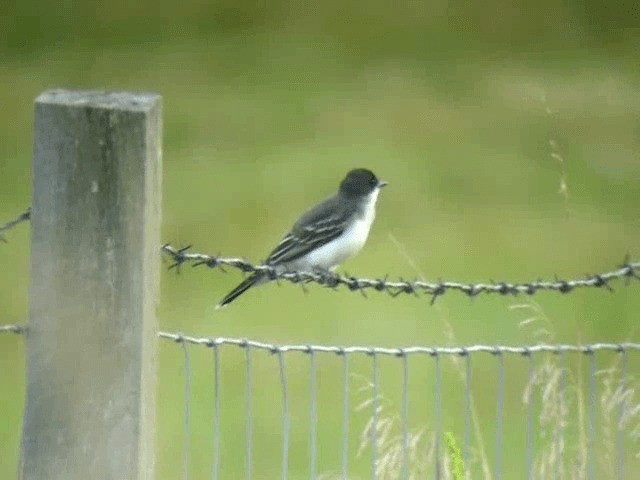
column 240, row 289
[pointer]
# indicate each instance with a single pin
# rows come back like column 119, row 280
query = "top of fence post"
column 91, row 346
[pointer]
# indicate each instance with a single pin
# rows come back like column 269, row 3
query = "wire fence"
column 601, row 414
column 607, row 391
column 548, row 367
column 548, row 377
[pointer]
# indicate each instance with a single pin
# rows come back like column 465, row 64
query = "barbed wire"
column 628, row 270
column 23, row 217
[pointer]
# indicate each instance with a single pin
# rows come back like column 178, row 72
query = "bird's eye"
column 373, row 181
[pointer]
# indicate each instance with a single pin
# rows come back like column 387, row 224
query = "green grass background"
column 265, row 109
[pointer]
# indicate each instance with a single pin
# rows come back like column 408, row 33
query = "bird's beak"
column 382, row 183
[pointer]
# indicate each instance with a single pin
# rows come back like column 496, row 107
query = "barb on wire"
column 628, row 270
column 23, row 217
column 524, row 350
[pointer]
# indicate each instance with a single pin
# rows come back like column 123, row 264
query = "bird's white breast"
column 346, row 245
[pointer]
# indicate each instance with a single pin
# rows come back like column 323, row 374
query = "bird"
column 325, row 235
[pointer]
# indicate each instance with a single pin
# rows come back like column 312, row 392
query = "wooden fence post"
column 91, row 339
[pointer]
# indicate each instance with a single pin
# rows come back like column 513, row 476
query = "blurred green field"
column 265, row 109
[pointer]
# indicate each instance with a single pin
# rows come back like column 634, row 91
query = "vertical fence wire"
column 562, row 387
column 530, row 413
column 621, row 415
column 187, row 410
column 467, row 409
column 345, row 414
column 374, row 420
column 285, row 416
column 591, row 399
column 438, row 414
column 312, row 415
column 405, row 417
column 499, row 415
column 248, row 460
column 216, row 412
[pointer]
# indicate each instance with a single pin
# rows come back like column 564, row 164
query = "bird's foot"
column 328, row 277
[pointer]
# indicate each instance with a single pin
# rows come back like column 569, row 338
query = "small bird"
column 326, row 235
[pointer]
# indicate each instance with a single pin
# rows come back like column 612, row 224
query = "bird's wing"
column 311, row 231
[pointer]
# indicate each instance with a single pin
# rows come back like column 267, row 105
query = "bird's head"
column 360, row 182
